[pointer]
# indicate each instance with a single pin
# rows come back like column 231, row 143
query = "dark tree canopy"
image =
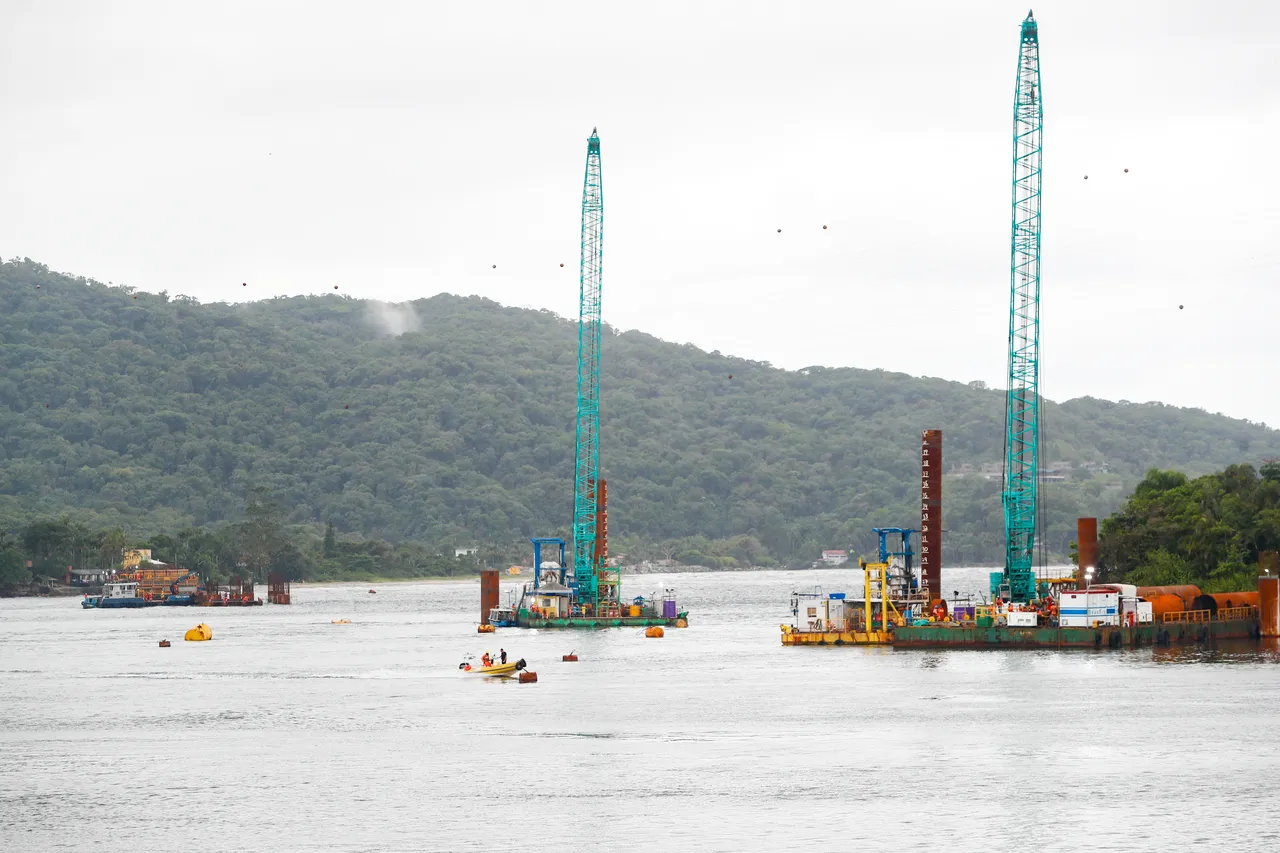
column 1207, row 531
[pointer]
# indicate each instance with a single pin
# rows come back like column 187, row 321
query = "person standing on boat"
column 502, row 653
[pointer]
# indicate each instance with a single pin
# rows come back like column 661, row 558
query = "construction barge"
column 152, row 584
column 1098, row 616
column 556, row 599
column 1196, row 626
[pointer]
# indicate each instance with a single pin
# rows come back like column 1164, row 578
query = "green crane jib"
column 1022, row 403
column 587, row 453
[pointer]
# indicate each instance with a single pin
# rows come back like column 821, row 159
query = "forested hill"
column 451, row 422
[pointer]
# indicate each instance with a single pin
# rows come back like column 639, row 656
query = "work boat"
column 498, row 669
column 116, row 595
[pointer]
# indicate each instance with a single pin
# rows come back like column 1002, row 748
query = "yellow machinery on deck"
column 869, row 621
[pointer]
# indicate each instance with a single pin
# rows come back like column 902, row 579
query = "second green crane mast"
column 586, row 475
column 1022, row 403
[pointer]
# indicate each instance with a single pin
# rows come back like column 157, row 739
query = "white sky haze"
column 398, row 150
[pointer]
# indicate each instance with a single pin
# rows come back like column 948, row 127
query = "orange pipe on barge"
column 1165, row 603
column 1186, row 592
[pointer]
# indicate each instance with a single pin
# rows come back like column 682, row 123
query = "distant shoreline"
column 69, row 592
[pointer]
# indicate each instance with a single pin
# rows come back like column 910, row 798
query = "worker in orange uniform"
column 486, row 660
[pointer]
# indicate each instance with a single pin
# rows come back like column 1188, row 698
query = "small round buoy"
column 46, row 405
column 1086, row 177
column 373, row 592
column 346, row 406
column 1179, row 307
column 730, row 375
column 824, row 228
column 495, row 266
column 38, row 286
column 335, row 287
column 562, row 265
column 779, row 230
column 1126, row 171
column 135, row 296
column 244, row 284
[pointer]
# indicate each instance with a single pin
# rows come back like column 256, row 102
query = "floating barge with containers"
column 554, row 599
column 1099, row 616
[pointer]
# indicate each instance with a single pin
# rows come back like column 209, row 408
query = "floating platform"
column 950, row 635
column 527, row 620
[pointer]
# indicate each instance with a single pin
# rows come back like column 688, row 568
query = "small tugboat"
column 503, row 617
column 115, row 595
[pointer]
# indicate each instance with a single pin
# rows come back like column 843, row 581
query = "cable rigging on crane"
column 596, row 589
column 1022, row 402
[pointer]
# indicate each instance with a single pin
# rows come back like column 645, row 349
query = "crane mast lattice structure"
column 593, row 586
column 1022, row 403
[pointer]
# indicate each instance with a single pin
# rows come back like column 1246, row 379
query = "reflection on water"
column 289, row 733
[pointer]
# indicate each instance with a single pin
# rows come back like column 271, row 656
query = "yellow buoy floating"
column 342, row 621
column 199, row 632
column 484, row 629
column 654, row 631
column 681, row 623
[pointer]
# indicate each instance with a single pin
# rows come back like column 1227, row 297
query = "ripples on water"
column 289, row 733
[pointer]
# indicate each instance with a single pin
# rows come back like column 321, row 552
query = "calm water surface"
column 290, row 733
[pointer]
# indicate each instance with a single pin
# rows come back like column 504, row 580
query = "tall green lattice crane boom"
column 1022, row 404
column 587, row 452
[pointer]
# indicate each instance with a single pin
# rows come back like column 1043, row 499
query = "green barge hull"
column 526, row 620
column 1004, row 637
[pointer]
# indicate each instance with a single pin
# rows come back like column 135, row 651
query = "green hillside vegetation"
column 154, row 414
column 1207, row 531
column 258, row 544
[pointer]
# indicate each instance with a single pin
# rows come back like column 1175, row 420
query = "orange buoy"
column 528, row 678
column 569, row 658
column 654, row 631
column 164, row 644
column 485, row 629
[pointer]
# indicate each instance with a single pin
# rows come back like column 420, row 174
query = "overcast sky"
column 398, row 150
